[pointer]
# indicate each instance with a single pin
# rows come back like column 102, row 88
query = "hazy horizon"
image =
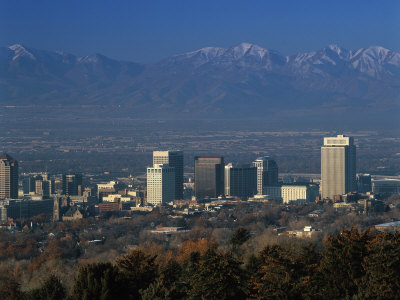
column 148, row 32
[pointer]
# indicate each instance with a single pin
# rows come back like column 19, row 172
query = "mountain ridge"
column 232, row 80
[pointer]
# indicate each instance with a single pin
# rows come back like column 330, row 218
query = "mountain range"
column 240, row 80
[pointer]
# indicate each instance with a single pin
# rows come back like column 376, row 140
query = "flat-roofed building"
column 160, row 184
column 267, row 172
column 174, row 158
column 364, row 184
column 240, row 181
column 338, row 166
column 72, row 184
column 386, row 186
column 209, row 176
column 273, row 193
column 299, row 192
column 8, row 177
column 25, row 208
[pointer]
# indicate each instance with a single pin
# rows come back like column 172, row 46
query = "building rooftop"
column 5, row 156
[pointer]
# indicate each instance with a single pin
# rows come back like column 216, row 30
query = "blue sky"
column 147, row 31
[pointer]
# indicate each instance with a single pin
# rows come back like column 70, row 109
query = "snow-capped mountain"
column 234, row 79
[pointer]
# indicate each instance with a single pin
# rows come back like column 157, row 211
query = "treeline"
column 352, row 265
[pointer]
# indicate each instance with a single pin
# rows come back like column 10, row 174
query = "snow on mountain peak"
column 334, row 47
column 20, row 51
column 242, row 49
column 90, row 59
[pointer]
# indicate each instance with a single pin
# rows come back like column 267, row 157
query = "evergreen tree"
column 139, row 271
column 10, row 289
column 341, row 268
column 275, row 276
column 52, row 289
column 219, row 276
column 382, row 268
column 239, row 237
column 98, row 281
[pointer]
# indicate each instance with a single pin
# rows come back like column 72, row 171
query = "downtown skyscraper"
column 160, row 184
column 209, row 176
column 338, row 166
column 174, row 158
column 8, row 177
column 267, row 173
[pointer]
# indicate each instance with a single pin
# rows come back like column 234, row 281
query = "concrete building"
column 25, row 208
column 299, row 192
column 338, row 166
column 386, row 186
column 8, row 177
column 209, row 176
column 118, row 198
column 105, row 189
column 240, row 181
column 273, row 193
column 44, row 187
column 267, row 172
column 38, row 184
column 388, row 227
column 306, row 232
column 174, row 158
column 364, row 184
column 29, row 185
column 72, row 184
column 160, row 184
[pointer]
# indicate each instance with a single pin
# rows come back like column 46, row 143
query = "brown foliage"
column 189, row 246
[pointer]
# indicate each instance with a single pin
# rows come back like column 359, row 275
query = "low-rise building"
column 25, row 208
column 386, row 186
column 391, row 226
column 299, row 193
column 306, row 232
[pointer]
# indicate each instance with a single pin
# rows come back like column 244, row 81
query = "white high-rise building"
column 174, row 158
column 267, row 173
column 338, row 166
column 160, row 184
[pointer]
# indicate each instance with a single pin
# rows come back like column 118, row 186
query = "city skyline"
column 199, row 149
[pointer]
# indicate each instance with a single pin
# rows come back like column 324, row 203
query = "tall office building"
column 29, row 185
column 72, row 184
column 209, row 176
column 240, row 181
column 364, row 183
column 174, row 158
column 39, row 184
column 267, row 173
column 338, row 166
column 8, row 177
column 160, row 184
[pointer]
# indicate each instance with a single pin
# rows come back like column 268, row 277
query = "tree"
column 341, row 269
column 10, row 289
column 239, row 237
column 168, row 285
column 139, row 271
column 218, row 276
column 382, row 267
column 52, row 289
column 97, row 281
column 275, row 276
